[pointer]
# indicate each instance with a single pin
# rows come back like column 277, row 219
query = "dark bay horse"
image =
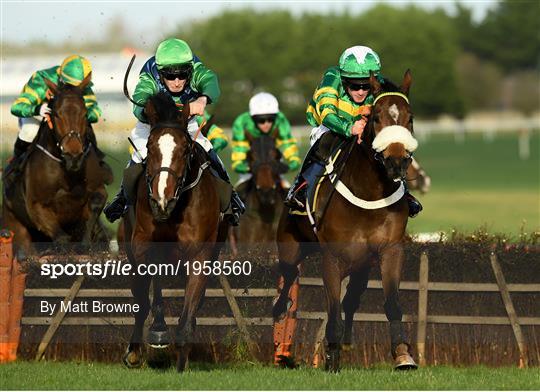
column 262, row 193
column 366, row 225
column 61, row 191
column 176, row 219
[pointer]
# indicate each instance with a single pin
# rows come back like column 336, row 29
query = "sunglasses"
column 182, row 75
column 264, row 119
column 359, row 86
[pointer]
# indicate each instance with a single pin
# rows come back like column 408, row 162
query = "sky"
column 149, row 21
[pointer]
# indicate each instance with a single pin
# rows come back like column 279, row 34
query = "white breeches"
column 316, row 134
column 28, row 128
column 139, row 136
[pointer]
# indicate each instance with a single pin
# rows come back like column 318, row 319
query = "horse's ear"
column 52, row 86
column 407, row 81
column 249, row 137
column 85, row 81
column 185, row 115
column 150, row 112
column 375, row 85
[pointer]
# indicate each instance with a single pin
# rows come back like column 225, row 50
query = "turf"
column 91, row 376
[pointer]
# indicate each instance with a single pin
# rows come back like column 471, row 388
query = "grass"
column 91, row 376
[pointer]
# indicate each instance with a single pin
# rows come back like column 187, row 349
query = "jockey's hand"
column 44, row 110
column 197, row 107
column 358, row 128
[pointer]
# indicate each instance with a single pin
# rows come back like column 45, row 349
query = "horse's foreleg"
column 391, row 263
column 46, row 221
column 195, row 288
column 22, row 240
column 140, row 287
column 95, row 205
column 158, row 335
column 334, row 327
column 356, row 287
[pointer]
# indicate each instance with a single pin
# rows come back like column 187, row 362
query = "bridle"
column 188, row 157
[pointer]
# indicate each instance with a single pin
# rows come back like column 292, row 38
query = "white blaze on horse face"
column 393, row 111
column 166, row 147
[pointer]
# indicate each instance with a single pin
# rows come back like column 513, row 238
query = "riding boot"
column 118, row 206
column 237, row 205
column 13, row 167
column 414, row 205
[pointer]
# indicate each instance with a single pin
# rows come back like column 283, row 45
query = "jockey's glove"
column 44, row 109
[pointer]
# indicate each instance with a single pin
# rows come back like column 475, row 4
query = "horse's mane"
column 164, row 106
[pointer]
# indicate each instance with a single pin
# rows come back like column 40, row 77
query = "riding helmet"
column 356, row 62
column 74, row 69
column 263, row 103
column 173, row 52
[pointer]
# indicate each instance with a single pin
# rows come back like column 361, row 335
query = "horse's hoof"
column 158, row 339
column 405, row 362
column 158, row 358
column 332, row 362
column 286, row 362
column 132, row 359
column 280, row 309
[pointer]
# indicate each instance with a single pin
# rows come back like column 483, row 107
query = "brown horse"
column 176, row 219
column 61, row 191
column 262, row 193
column 417, row 178
column 351, row 237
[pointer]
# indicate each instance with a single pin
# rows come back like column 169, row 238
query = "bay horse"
column 262, row 193
column 61, row 191
column 176, row 219
column 349, row 237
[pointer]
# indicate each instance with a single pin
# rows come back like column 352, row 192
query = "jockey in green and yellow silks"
column 262, row 118
column 175, row 71
column 342, row 104
column 31, row 106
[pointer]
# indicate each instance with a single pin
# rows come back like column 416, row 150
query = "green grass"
column 90, row 376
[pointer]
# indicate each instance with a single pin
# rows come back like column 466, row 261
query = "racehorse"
column 176, row 218
column 61, row 191
column 350, row 237
column 262, row 193
column 417, row 178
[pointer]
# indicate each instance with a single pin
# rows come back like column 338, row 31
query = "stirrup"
column 292, row 201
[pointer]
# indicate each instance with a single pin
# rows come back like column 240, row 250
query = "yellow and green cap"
column 74, row 69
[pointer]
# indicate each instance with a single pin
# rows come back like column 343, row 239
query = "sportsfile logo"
column 119, row 268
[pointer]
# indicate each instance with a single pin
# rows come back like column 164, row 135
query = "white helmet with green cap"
column 356, row 62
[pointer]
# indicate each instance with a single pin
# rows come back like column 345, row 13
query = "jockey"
column 341, row 104
column 32, row 104
column 174, row 70
column 263, row 118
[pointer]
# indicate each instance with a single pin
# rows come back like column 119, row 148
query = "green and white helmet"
column 173, row 52
column 357, row 61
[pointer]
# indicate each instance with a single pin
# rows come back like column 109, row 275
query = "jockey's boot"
column 13, row 167
column 296, row 197
column 118, row 206
column 237, row 205
column 414, row 205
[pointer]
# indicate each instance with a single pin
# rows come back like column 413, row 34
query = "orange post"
column 284, row 329
column 6, row 262
column 18, row 283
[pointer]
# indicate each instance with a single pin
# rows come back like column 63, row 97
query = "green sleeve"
column 32, row 95
column 146, row 87
column 205, row 81
column 326, row 102
column 240, row 145
column 93, row 110
column 286, row 143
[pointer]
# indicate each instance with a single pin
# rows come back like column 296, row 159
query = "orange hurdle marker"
column 284, row 329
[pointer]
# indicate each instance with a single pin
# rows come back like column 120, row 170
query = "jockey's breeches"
column 28, row 128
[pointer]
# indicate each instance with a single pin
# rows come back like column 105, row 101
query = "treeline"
column 457, row 65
